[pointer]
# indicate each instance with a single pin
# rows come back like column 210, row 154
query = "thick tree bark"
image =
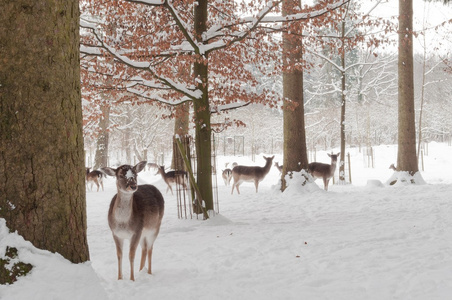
column 101, row 158
column 295, row 151
column 406, row 155
column 202, row 113
column 42, row 185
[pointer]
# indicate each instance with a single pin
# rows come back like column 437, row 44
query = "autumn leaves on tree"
column 173, row 52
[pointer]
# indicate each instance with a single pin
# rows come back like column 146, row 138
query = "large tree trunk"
column 406, row 155
column 202, row 114
column 42, row 185
column 295, row 152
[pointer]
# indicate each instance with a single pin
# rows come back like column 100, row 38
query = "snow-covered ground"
column 356, row 241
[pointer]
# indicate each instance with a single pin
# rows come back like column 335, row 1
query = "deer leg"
column 237, row 187
column 118, row 243
column 94, row 181
column 143, row 254
column 256, row 184
column 133, row 248
column 325, row 182
column 150, row 260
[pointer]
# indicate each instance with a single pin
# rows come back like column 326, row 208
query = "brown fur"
column 173, row 177
column 135, row 213
column 324, row 171
column 250, row 173
column 227, row 176
column 94, row 177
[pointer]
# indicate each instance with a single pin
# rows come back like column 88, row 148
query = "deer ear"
column 140, row 166
column 329, row 154
column 109, row 171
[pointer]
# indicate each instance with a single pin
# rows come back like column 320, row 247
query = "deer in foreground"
column 94, row 177
column 135, row 214
column 227, row 176
column 173, row 178
column 250, row 173
column 324, row 171
column 278, row 167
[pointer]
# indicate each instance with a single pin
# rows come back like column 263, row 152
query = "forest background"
column 141, row 132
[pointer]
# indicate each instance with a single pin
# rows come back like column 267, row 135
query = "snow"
column 365, row 240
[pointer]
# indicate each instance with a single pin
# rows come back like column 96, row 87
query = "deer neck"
column 123, row 205
column 267, row 167
column 333, row 166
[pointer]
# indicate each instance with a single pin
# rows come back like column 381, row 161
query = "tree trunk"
column 343, row 102
column 202, row 113
column 42, row 184
column 181, row 129
column 101, row 158
column 406, row 155
column 295, row 151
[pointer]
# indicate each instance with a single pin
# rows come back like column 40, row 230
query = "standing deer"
column 227, row 176
column 250, row 173
column 278, row 167
column 94, row 177
column 324, row 171
column 135, row 214
column 173, row 178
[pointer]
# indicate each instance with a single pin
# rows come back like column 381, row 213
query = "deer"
column 135, row 214
column 173, row 177
column 227, row 176
column 278, row 167
column 94, row 177
column 392, row 167
column 250, row 173
column 324, row 171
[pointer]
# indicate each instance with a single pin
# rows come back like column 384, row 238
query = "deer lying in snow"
column 173, row 178
column 324, row 171
column 135, row 214
column 94, row 177
column 227, row 176
column 250, row 173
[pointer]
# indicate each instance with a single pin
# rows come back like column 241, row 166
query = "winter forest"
column 334, row 114
column 137, row 111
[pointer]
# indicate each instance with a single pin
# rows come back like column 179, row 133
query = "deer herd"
column 136, row 211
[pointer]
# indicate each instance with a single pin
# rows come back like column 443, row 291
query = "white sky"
column 434, row 12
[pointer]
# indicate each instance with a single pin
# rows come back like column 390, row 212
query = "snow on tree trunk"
column 295, row 152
